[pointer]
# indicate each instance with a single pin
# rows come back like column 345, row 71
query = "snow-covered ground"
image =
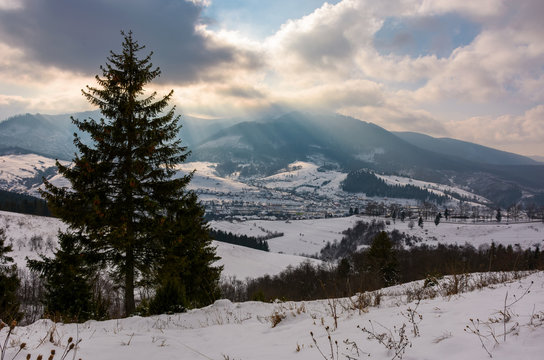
column 309, row 236
column 453, row 327
column 300, row 236
column 238, row 261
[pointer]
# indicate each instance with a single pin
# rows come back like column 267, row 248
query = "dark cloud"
column 78, row 35
column 244, row 92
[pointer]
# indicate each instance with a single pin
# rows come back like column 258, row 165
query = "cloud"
column 78, row 35
column 434, row 77
column 505, row 131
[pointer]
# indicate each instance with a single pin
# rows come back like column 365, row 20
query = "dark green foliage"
column 368, row 183
column 68, row 281
column 420, row 222
column 498, row 216
column 242, row 240
column 187, row 254
column 169, row 298
column 24, row 204
column 9, row 305
column 125, row 201
column 383, row 260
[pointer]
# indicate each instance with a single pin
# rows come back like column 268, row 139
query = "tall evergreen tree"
column 125, row 200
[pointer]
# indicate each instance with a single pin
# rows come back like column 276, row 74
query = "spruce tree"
column 124, row 200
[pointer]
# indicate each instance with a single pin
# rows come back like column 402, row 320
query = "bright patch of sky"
column 258, row 18
column 421, row 36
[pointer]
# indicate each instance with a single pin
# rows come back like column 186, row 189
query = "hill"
column 334, row 142
column 390, row 323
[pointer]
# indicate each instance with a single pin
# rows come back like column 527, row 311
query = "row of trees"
column 368, row 183
column 21, row 203
column 384, row 263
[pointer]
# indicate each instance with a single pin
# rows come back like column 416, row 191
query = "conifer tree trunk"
column 130, row 305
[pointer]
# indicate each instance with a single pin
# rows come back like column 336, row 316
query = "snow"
column 23, row 173
column 300, row 236
column 228, row 330
column 438, row 189
column 309, row 236
column 205, row 178
column 304, row 177
column 243, row 262
column 238, row 261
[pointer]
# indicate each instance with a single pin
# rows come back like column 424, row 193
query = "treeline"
column 24, row 204
column 382, row 265
column 368, row 183
column 258, row 243
column 363, row 233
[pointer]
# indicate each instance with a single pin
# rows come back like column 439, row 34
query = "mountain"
column 466, row 150
column 52, row 135
column 538, row 158
column 335, row 142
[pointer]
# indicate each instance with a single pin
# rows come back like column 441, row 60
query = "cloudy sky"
column 472, row 70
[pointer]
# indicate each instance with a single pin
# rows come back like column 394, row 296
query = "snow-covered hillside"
column 305, row 177
column 240, row 262
column 303, row 186
column 23, row 173
column 438, row 189
column 382, row 325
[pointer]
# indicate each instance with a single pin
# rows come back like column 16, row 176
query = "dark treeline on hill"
column 368, row 183
column 379, row 266
column 24, row 204
column 362, row 233
column 242, row 240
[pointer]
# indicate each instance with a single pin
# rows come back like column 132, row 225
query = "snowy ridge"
column 438, row 189
column 443, row 328
column 205, row 178
column 23, row 173
column 303, row 176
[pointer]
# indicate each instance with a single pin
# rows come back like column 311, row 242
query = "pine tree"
column 9, row 282
column 124, row 199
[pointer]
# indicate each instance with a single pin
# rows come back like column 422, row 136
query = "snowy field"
column 238, row 261
column 300, row 236
column 309, row 236
column 443, row 328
